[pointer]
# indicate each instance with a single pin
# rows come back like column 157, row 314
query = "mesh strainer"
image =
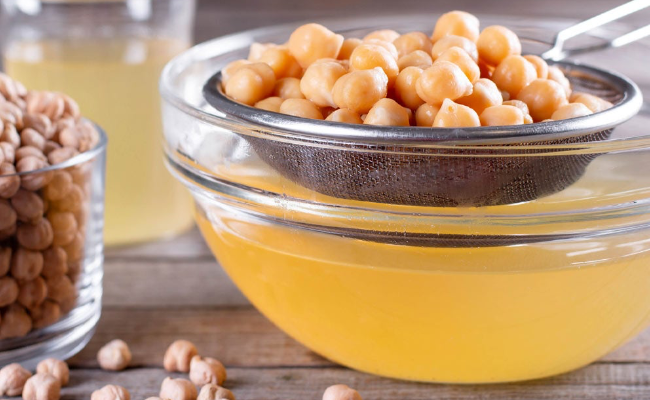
column 376, row 164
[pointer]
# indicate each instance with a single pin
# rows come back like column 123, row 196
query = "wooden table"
column 159, row 292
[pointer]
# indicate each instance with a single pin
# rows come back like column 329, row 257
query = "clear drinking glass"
column 108, row 56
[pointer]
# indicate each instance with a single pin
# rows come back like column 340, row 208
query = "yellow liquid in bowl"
column 116, row 85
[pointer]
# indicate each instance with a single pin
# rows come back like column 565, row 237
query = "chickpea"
column 5, row 260
column 60, row 185
column 228, row 71
column 114, row 355
column 42, row 387
column 8, row 232
column 528, row 119
column 70, row 137
column 319, row 79
column 571, row 110
column 111, row 392
column 64, row 227
column 60, row 288
column 179, row 355
column 46, row 314
column 497, row 42
column 358, row 91
column 270, row 103
column 426, row 114
column 341, row 392
column 452, row 115
column 15, row 323
column 484, row 94
column 9, row 153
column 8, row 215
column 404, row 90
column 387, row 112
column 177, row 389
column 215, row 392
column 8, row 291
column 594, row 104
column 412, row 41
column 540, row 65
column 417, row 58
column 457, row 23
column 9, row 182
column 370, row 56
column 556, row 74
column 61, row 155
column 207, row 370
column 57, row 368
column 387, row 35
column 543, row 97
column 10, row 135
column 39, row 123
column 26, row 265
column 519, row 104
column 28, row 151
column 55, row 262
column 33, row 293
column 513, row 74
column 348, row 47
column 501, row 116
column 72, row 202
column 311, row 42
column 34, row 180
column 251, row 83
column 75, row 249
column 443, row 80
column 36, row 236
column 288, row 88
column 30, row 137
column 282, row 62
column 12, row 380
column 460, row 57
column 344, row 115
column 390, row 47
column 301, row 108
column 450, row 41
column 257, row 49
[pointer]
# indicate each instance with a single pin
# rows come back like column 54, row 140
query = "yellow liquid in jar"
column 115, row 83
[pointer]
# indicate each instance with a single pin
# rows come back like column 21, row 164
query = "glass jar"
column 108, row 55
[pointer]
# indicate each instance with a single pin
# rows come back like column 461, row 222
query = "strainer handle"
column 557, row 52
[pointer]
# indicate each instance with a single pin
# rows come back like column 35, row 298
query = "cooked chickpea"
column 519, row 104
column 9, row 182
column 484, row 94
column 12, row 379
column 33, row 293
column 453, row 115
column 387, row 35
column 387, row 112
column 270, row 104
column 319, row 79
column 571, row 110
column 256, row 50
column 57, row 368
column 540, row 65
column 543, row 97
column 502, row 115
column 251, row 83
column 556, row 74
column 344, row 115
column 390, row 47
column 114, row 355
column 42, row 387
column 459, row 23
column 15, row 322
column 8, row 290
column 443, row 80
column 348, row 47
column 412, row 41
column 229, row 70
column 281, row 62
column 460, row 57
column 593, row 103
column 179, row 355
column 26, row 265
column 417, row 58
column 426, row 114
column 497, row 42
column 302, row 108
column 206, row 370
column 341, row 392
column 404, row 90
column 177, row 389
column 450, row 41
column 288, row 88
column 215, row 392
column 369, row 56
column 36, row 236
column 111, row 392
column 358, row 91
column 513, row 74
column 311, row 42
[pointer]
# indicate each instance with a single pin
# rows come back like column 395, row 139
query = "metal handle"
column 557, row 52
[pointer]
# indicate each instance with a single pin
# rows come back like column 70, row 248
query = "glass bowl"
column 429, row 293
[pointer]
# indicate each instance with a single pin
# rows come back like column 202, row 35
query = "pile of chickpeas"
column 460, row 76
column 42, row 213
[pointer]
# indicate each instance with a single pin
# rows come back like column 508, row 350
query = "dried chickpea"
column 348, row 47
column 28, row 151
column 35, row 180
column 72, row 202
column 60, row 288
column 443, row 80
column 61, row 155
column 593, row 103
column 75, row 249
column 8, row 232
column 5, row 260
column 206, row 370
column 7, row 214
column 497, row 42
column 556, row 74
column 319, row 79
column 387, row 35
column 412, row 41
column 26, row 265
column 251, row 83
column 177, row 389
column 33, row 293
column 301, row 108
column 344, row 115
column 459, row 23
column 450, row 41
column 387, row 112
column 543, row 97
column 36, row 236
column 39, row 123
column 8, row 291
column 288, row 88
column 502, row 115
column 513, row 74
column 460, row 57
column 270, row 104
column 358, row 91
column 55, row 262
column 282, row 62
column 484, row 94
column 114, row 355
column 10, row 135
column 29, row 137
column 42, row 387
column 453, row 115
column 404, row 90
column 369, row 56
column 9, row 153
column 111, row 392
column 15, row 322
column 426, row 114
column 215, row 392
column 341, row 392
column 46, row 314
column 417, row 58
column 540, row 65
column 571, row 110
column 59, row 186
column 10, row 183
column 64, row 227
column 12, row 380
column 311, row 42
column 57, row 368
column 179, row 355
